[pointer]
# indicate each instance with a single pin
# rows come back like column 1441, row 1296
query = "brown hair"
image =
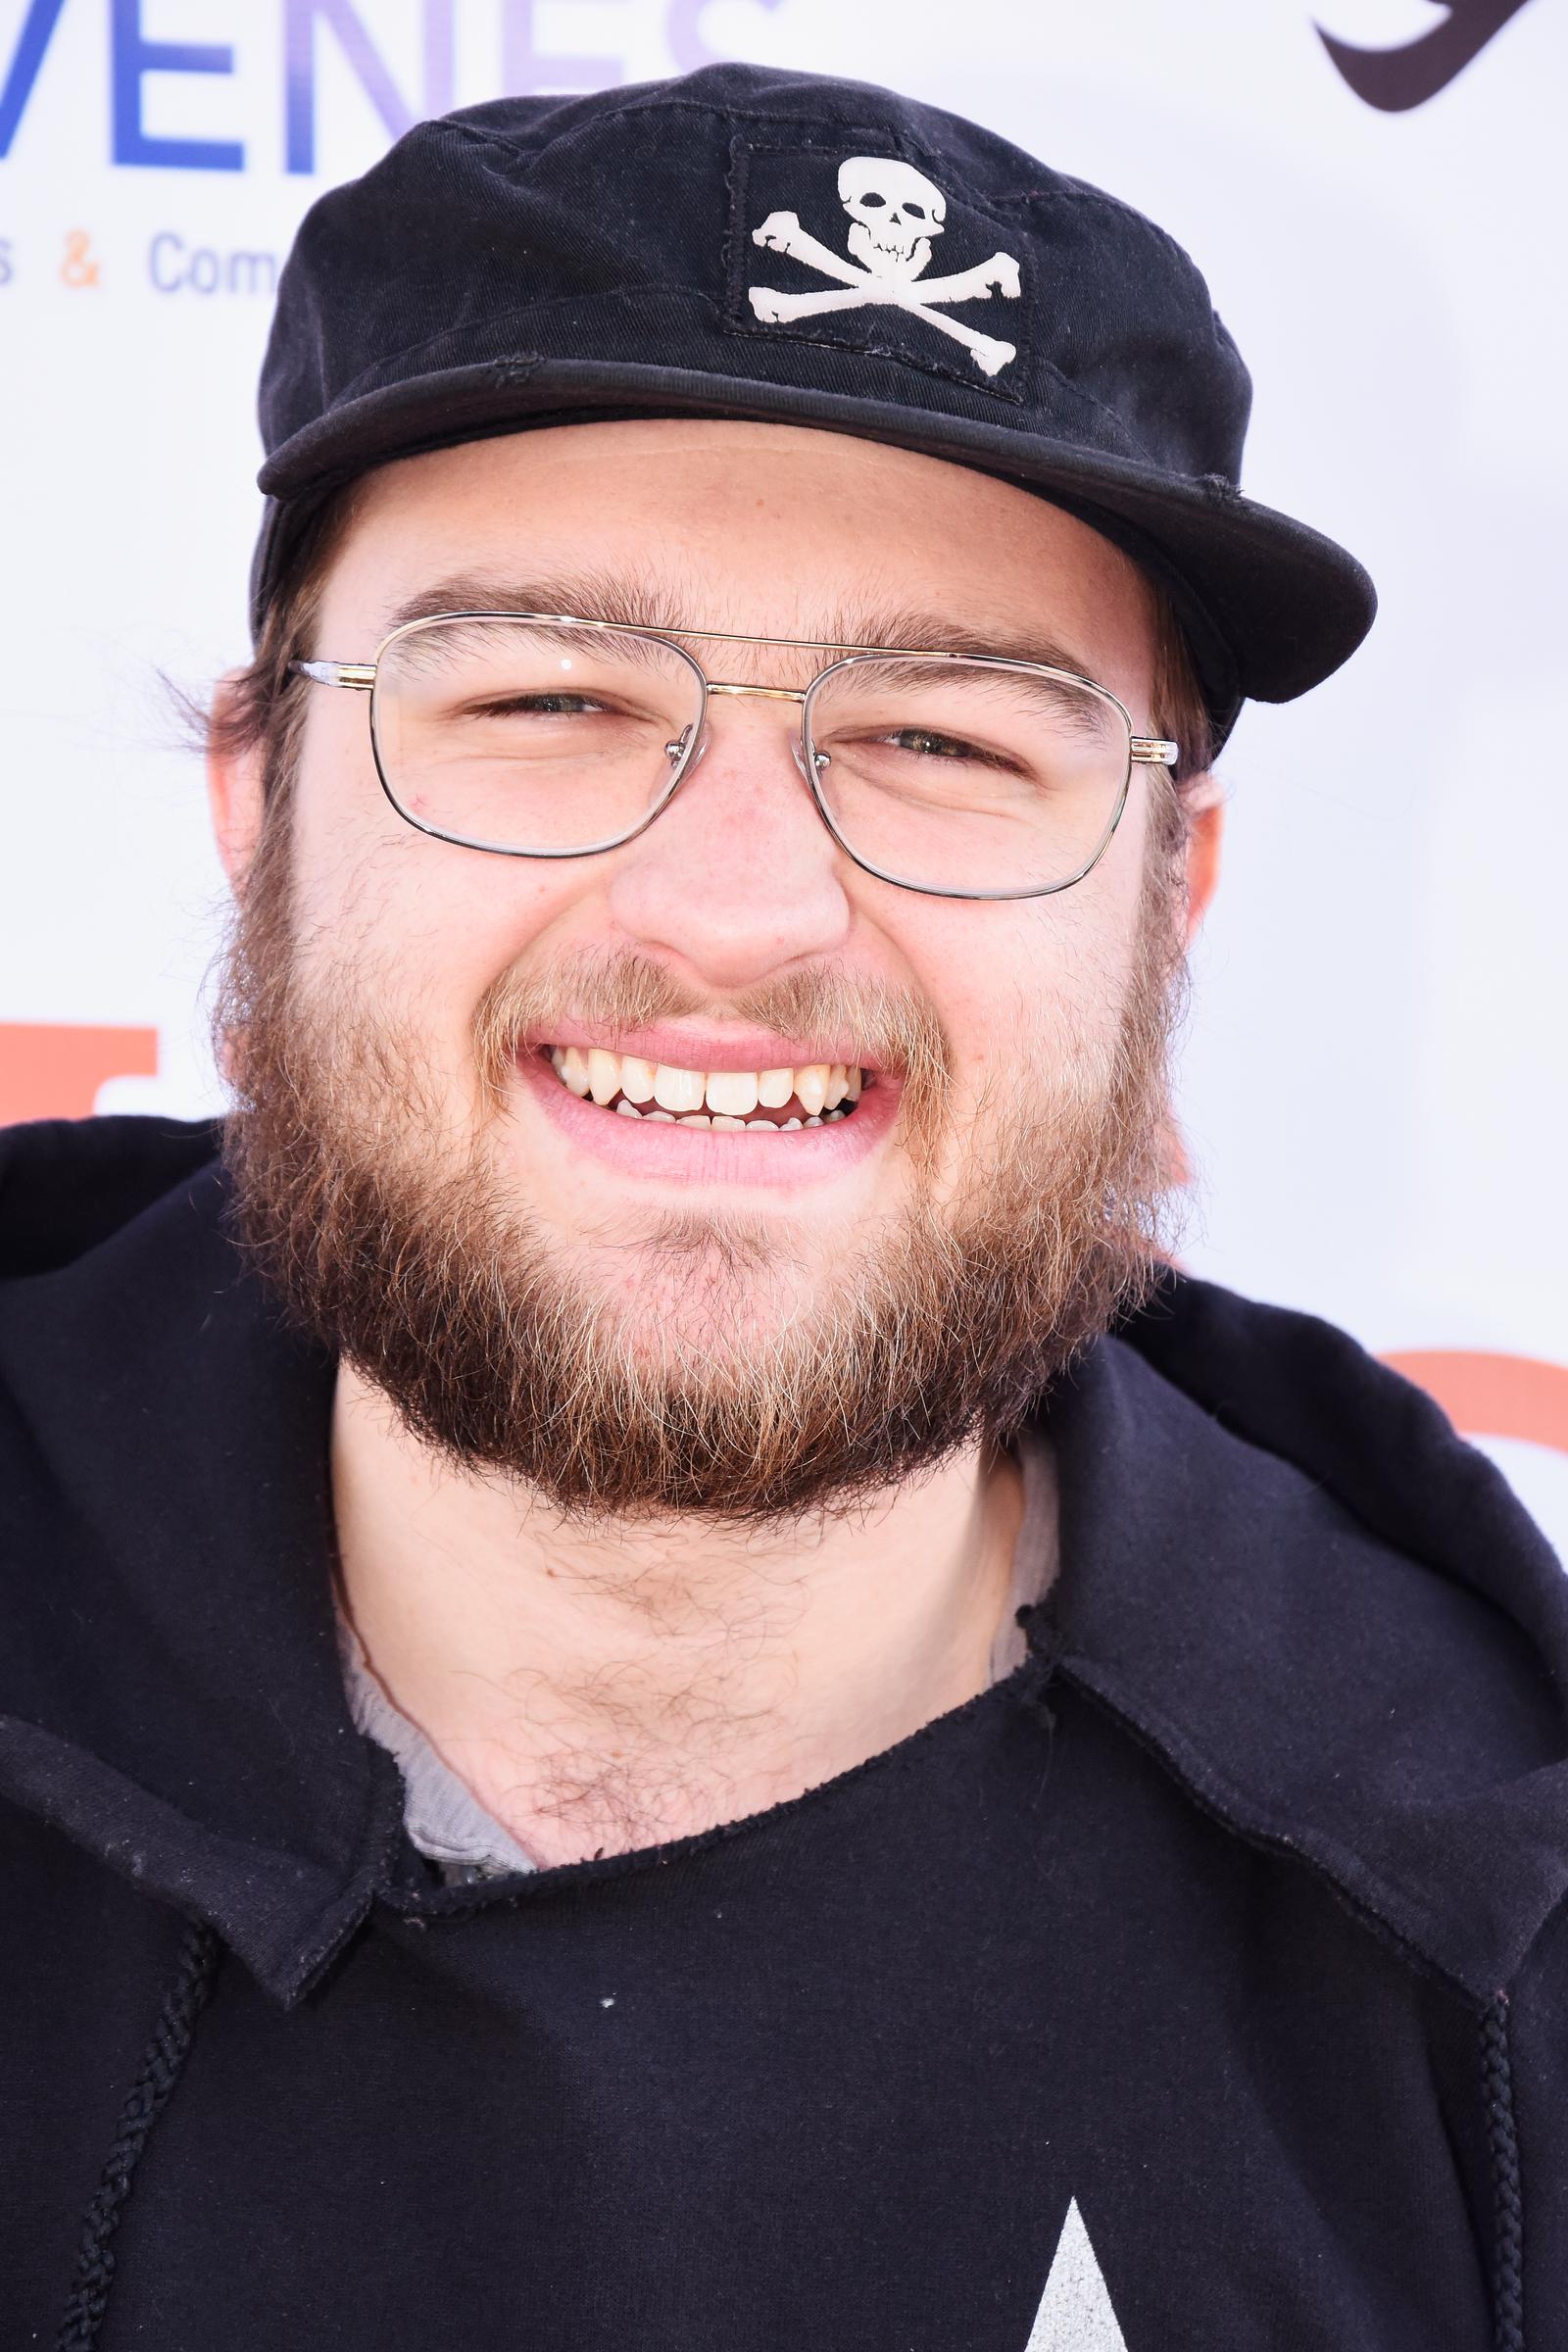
column 262, row 708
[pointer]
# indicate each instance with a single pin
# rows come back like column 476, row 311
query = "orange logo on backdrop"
column 1492, row 1396
column 51, row 1070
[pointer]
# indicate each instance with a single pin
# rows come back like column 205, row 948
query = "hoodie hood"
column 169, row 1690
column 1281, row 1572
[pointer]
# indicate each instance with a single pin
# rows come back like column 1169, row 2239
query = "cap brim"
column 1270, row 607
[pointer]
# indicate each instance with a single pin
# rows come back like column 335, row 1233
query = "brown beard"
column 728, row 1388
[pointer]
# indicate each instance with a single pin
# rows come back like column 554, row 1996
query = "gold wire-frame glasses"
column 684, row 752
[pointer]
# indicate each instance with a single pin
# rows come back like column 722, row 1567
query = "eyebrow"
column 641, row 601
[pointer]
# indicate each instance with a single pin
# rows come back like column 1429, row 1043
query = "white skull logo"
column 896, row 212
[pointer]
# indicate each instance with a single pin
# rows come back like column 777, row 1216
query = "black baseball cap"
column 744, row 242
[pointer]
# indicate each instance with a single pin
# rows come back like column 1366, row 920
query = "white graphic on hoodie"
column 1075, row 2313
column 894, row 213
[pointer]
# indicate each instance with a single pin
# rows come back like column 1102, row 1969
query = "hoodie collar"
column 1325, row 1613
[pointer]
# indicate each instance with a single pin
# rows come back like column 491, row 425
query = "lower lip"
column 699, row 1156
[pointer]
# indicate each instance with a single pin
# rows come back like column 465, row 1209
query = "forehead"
column 770, row 529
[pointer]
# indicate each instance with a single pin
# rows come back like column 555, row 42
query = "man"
column 660, row 1687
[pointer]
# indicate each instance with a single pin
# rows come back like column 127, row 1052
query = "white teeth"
column 630, row 1111
column 733, row 1092
column 678, row 1090
column 726, row 1098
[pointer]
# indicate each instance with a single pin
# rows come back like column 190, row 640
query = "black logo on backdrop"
column 1396, row 79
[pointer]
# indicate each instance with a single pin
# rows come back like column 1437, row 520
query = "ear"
column 234, row 794
column 1205, row 806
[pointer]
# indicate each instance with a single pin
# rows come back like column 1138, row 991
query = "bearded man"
column 662, row 1684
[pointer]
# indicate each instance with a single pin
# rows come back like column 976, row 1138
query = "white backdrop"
column 1373, row 1086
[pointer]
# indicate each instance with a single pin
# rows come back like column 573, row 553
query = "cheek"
column 1031, row 982
column 1089, row 936
column 349, row 854
column 412, row 930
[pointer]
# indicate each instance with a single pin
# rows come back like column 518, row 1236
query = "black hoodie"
column 1201, row 1984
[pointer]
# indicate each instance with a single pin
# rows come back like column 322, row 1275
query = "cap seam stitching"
column 1133, row 453
column 719, row 311
column 496, row 318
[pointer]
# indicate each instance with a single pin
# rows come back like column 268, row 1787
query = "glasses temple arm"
column 358, row 674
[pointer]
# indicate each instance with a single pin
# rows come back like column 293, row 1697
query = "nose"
column 738, row 875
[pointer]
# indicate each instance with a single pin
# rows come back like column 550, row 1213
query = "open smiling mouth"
column 769, row 1102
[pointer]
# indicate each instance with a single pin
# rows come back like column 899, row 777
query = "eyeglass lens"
column 948, row 775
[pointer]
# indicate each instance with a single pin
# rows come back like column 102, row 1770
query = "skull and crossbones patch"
column 889, row 217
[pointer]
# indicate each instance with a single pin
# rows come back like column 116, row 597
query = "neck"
column 604, row 1688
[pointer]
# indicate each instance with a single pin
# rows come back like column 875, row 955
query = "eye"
column 917, row 210
column 872, row 201
column 534, row 706
column 926, row 743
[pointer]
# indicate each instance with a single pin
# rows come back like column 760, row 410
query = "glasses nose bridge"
column 771, row 694
column 768, row 694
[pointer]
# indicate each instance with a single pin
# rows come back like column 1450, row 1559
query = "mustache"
column 898, row 1030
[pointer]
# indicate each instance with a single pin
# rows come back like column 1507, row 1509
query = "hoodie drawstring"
column 1503, row 2134
column 167, row 2052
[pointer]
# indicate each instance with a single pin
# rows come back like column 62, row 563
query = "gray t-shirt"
column 448, row 1824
